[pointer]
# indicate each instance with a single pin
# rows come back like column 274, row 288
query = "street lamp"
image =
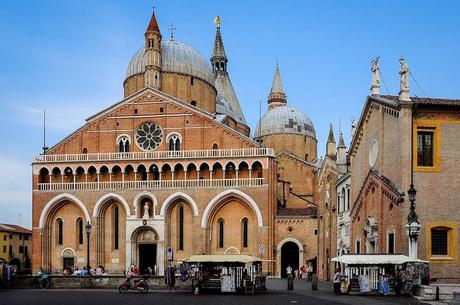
column 412, row 226
column 88, row 233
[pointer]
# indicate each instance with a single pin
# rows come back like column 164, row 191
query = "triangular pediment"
column 149, row 105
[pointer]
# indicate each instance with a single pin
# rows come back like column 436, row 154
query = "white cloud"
column 59, row 117
column 15, row 191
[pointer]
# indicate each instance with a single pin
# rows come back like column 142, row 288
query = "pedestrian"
column 337, row 282
column 308, row 270
column 296, row 273
column 302, row 272
column 288, row 270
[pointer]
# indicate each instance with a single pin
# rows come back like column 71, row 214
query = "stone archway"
column 293, row 255
column 146, row 250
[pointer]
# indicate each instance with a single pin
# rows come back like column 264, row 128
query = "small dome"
column 176, row 57
column 284, row 119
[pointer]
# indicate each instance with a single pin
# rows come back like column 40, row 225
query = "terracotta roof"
column 153, row 25
column 427, row 100
column 14, row 229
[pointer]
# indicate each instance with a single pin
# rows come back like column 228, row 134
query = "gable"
column 196, row 128
column 375, row 181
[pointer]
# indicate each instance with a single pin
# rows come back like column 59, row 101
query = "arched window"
column 348, row 199
column 59, row 231
column 221, row 233
column 116, row 227
column 181, row 227
column 215, row 146
column 79, row 231
column 174, row 142
column 123, row 144
column 44, row 175
column 244, row 225
column 85, row 150
column 344, row 203
column 193, row 103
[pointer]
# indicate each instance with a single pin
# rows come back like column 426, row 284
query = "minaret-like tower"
column 152, row 76
column 341, row 157
column 219, row 58
column 277, row 97
column 331, row 149
column 224, row 85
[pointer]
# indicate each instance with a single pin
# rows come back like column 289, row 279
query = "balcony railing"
column 157, row 184
column 153, row 155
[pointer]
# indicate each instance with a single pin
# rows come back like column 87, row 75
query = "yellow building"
column 16, row 246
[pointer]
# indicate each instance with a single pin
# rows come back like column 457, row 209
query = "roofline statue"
column 375, row 69
column 404, row 83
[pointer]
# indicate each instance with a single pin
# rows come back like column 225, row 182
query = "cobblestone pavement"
column 276, row 295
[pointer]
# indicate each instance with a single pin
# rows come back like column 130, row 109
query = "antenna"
column 45, row 148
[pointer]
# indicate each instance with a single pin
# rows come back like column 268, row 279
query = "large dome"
column 284, row 119
column 176, row 57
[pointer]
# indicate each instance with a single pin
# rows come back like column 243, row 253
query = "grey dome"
column 284, row 119
column 176, row 57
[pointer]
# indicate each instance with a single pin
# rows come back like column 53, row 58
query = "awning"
column 230, row 258
column 375, row 259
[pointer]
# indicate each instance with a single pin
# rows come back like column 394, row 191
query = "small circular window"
column 149, row 136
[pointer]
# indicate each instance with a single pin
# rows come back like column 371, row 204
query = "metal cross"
column 172, row 29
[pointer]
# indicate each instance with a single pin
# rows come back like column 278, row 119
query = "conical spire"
column 277, row 97
column 331, row 138
column 341, row 142
column 218, row 51
column 331, row 150
column 153, row 24
column 277, row 85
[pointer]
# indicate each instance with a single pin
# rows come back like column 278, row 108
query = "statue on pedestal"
column 146, row 210
column 404, row 84
column 375, row 69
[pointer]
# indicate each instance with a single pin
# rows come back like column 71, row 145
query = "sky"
column 70, row 58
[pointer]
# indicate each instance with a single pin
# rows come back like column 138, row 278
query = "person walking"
column 337, row 282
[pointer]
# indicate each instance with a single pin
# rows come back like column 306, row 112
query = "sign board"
column 261, row 248
column 170, row 253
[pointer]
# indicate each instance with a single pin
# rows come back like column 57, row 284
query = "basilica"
column 173, row 167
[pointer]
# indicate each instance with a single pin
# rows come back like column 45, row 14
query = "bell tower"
column 152, row 55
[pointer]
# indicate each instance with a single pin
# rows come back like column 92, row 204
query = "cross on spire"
column 171, row 30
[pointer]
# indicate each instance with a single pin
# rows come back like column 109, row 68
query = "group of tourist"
column 304, row 273
column 75, row 271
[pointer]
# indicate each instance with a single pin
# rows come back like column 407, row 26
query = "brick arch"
column 178, row 195
column 103, row 199
column 51, row 205
column 232, row 192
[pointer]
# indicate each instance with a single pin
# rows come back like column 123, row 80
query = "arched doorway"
column 144, row 246
column 16, row 262
column 289, row 257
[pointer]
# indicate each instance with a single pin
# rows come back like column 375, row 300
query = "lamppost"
column 88, row 233
column 412, row 226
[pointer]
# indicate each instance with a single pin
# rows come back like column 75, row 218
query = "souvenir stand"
column 383, row 273
column 228, row 273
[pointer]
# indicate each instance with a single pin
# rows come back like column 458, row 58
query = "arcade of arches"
column 139, row 233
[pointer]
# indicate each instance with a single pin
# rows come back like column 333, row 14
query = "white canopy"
column 375, row 259
column 230, row 258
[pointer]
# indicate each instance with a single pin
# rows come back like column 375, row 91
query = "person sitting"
column 76, row 272
column 84, row 272
column 100, row 270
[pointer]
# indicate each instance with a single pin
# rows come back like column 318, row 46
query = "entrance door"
column 147, row 257
column 289, row 256
column 68, row 262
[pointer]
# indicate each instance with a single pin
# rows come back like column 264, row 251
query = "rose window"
column 149, row 136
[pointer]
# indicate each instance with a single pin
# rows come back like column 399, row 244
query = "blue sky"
column 70, row 58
